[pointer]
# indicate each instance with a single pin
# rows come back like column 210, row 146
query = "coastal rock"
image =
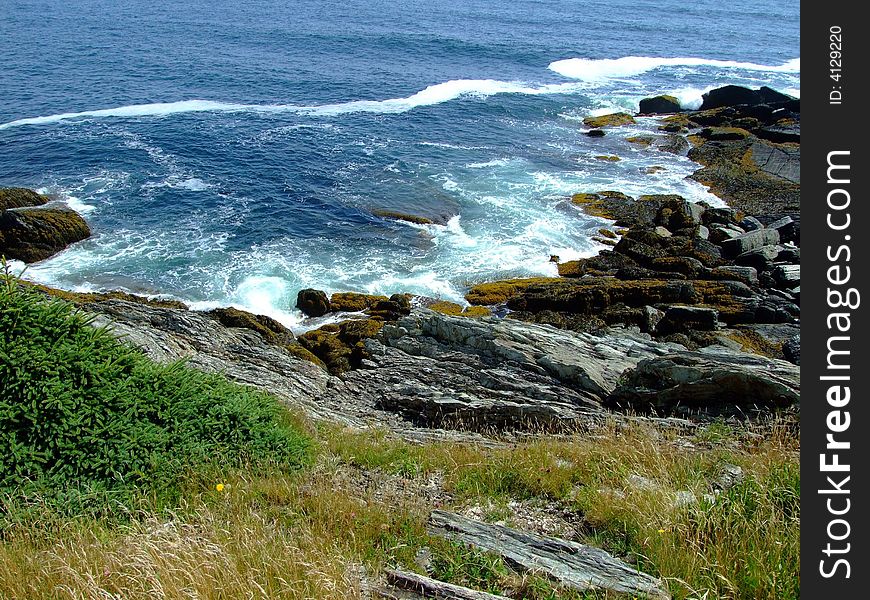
column 713, row 382
column 660, row 105
column 751, row 240
column 270, row 329
column 792, row 349
column 611, row 120
column 571, row 564
column 751, row 175
column 243, row 355
column 733, row 95
column 313, row 303
column 788, row 229
column 680, row 319
column 750, row 223
column 34, row 234
column 354, row 302
column 20, row 198
column 596, row 133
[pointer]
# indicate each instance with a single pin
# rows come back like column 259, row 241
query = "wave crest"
column 587, row 69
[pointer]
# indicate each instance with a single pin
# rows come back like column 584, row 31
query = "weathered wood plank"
column 425, row 587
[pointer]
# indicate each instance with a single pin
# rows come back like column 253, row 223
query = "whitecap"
column 594, row 70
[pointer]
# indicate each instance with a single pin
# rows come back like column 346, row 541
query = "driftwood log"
column 407, row 586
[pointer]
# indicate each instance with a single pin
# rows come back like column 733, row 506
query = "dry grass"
column 327, row 532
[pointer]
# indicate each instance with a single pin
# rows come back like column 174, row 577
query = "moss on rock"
column 269, row 329
column 20, row 198
column 457, row 310
column 354, row 302
column 34, row 234
column 498, row 292
column 611, row 120
column 343, row 349
column 398, row 216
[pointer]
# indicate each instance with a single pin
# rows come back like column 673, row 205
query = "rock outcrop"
column 570, row 564
column 33, row 229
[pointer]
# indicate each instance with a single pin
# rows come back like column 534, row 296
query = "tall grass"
column 205, row 477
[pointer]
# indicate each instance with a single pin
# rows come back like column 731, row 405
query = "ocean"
column 232, row 153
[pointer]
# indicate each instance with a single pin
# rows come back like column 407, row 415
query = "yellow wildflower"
column 219, row 487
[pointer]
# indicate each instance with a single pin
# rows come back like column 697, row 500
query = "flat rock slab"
column 570, row 564
column 408, row 586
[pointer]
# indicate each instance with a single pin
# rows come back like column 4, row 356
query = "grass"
column 323, row 518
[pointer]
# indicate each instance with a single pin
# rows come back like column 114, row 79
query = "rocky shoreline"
column 692, row 312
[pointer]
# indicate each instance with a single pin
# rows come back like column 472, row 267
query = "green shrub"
column 84, row 416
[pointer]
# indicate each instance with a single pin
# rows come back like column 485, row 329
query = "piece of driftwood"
column 411, row 585
column 568, row 563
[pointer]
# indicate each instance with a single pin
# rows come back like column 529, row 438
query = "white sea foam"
column 593, row 70
column 434, row 94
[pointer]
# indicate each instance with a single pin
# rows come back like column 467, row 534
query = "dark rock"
column 714, row 383
column 761, row 258
column 780, row 134
column 403, row 300
column 748, row 275
column 777, row 161
column 596, row 133
column 751, row 175
column 789, row 254
column 611, row 120
column 660, row 105
column 788, row 276
column 686, row 265
column 719, row 216
column 681, row 319
column 792, row 349
column 723, row 134
column 787, row 228
column 720, row 233
column 674, row 144
column 34, row 234
column 733, row 95
column 750, row 223
column 398, row 216
column 751, row 240
column 774, row 309
column 313, row 303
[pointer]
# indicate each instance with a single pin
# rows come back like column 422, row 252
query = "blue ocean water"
column 232, row 153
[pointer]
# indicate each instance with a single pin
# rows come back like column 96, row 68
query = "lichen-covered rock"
column 313, row 303
column 354, row 302
column 399, row 216
column 611, row 120
column 271, row 330
column 341, row 350
column 20, row 198
column 34, row 234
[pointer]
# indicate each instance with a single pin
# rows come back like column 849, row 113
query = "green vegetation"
column 87, row 421
column 208, row 489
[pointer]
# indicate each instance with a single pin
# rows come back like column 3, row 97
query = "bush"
column 83, row 415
